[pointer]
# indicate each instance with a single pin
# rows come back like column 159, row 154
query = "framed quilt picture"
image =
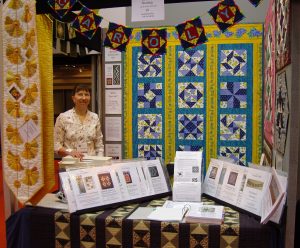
column 206, row 98
column 282, row 112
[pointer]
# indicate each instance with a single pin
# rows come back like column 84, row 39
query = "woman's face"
column 82, row 99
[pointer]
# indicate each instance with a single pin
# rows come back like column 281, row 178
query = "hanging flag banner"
column 154, row 41
column 255, row 2
column 62, row 7
column 191, row 33
column 87, row 22
column 226, row 14
column 117, row 36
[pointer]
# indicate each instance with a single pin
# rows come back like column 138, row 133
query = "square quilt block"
column 189, row 148
column 190, row 95
column 190, row 126
column 149, row 65
column 149, row 126
column 149, row 151
column 233, row 63
column 191, row 63
column 233, row 127
column 149, row 95
column 238, row 154
column 233, row 94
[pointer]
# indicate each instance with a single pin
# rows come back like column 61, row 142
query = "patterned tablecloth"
column 44, row 227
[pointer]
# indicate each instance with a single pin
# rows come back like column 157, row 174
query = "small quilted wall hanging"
column 283, row 56
column 205, row 98
column 61, row 8
column 282, row 112
column 154, row 41
column 226, row 14
column 191, row 33
column 87, row 22
column 269, row 72
column 117, row 36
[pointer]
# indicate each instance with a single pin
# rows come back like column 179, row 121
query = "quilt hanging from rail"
column 206, row 98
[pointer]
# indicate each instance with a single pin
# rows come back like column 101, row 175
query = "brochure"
column 254, row 189
column 206, row 214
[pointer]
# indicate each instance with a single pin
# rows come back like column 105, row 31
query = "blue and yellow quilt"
column 206, row 98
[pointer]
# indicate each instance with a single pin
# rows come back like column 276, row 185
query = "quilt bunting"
column 204, row 98
column 61, row 7
column 154, row 41
column 226, row 14
column 117, row 37
column 191, row 33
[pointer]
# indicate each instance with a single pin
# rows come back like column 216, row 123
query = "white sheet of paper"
column 113, row 129
column 112, row 55
column 113, row 150
column 166, row 214
column 29, row 131
column 147, row 10
column 113, row 101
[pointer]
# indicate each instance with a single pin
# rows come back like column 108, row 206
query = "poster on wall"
column 112, row 55
column 113, row 129
column 113, row 101
column 113, row 75
column 113, row 150
column 281, row 112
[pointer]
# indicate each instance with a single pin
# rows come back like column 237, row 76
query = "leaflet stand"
column 99, row 188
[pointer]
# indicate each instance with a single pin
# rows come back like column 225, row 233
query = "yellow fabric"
column 44, row 36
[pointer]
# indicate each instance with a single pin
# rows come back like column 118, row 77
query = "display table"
column 37, row 227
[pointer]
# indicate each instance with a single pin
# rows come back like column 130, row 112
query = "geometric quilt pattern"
column 190, row 126
column 141, row 233
column 169, row 234
column 199, row 235
column 189, row 148
column 149, row 126
column 233, row 63
column 149, row 65
column 62, row 229
column 191, row 63
column 230, row 230
column 88, row 229
column 149, row 151
column 237, row 154
column 233, row 127
column 233, row 95
column 190, row 95
column 149, row 95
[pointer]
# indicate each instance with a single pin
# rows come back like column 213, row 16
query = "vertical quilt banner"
column 21, row 96
column 206, row 98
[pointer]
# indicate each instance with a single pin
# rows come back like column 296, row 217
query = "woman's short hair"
column 80, row 87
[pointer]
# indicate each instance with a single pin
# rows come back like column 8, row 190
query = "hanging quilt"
column 283, row 56
column 269, row 72
column 23, row 166
column 205, row 98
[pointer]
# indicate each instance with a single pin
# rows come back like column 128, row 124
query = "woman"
column 78, row 130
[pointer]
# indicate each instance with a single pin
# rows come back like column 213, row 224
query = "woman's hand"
column 76, row 154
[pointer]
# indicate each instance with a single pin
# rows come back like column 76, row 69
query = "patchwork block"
column 149, row 65
column 150, row 151
column 238, row 154
column 149, row 95
column 149, row 126
column 190, row 95
column 191, row 63
column 233, row 95
column 233, row 63
column 233, row 127
column 190, row 148
column 190, row 127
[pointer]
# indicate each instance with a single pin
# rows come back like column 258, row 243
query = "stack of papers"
column 206, row 214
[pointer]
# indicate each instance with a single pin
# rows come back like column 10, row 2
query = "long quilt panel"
column 207, row 98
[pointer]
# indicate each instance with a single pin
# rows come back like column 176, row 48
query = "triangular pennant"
column 61, row 7
column 191, row 33
column 226, row 14
column 117, row 36
column 255, row 2
column 87, row 22
column 154, row 41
